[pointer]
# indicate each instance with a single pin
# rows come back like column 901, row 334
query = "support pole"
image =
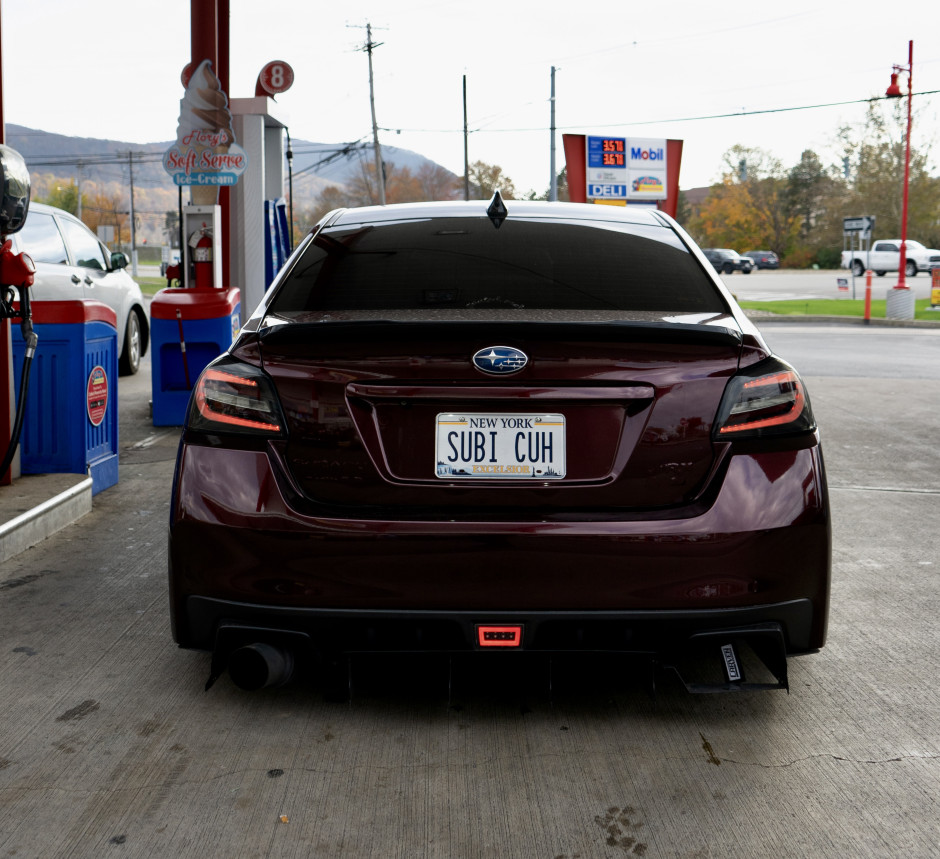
column 466, row 151
column 553, row 184
column 902, row 274
column 379, row 172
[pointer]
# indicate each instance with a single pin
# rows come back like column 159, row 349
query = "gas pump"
column 202, row 249
column 16, row 276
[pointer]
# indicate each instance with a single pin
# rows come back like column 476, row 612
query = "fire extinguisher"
column 201, row 275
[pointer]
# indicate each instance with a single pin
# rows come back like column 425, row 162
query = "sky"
column 711, row 74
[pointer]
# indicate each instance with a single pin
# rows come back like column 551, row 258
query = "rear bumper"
column 375, row 630
column 758, row 552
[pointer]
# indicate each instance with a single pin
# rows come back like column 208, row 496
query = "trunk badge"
column 500, row 360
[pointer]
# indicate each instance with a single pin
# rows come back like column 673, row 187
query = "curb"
column 760, row 316
column 45, row 519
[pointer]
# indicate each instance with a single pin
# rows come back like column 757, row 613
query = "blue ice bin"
column 188, row 329
column 71, row 420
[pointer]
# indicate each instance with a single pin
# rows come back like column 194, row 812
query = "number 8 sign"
column 277, row 76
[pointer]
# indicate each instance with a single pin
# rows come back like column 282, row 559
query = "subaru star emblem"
column 500, row 360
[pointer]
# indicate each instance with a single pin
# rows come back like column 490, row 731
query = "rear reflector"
column 499, row 636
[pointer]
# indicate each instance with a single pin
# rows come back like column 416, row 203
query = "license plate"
column 500, row 446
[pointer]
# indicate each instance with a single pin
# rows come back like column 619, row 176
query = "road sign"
column 862, row 225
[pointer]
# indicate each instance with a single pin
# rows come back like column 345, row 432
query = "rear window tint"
column 466, row 263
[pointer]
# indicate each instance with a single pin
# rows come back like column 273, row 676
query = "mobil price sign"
column 606, row 168
column 646, row 164
column 625, row 168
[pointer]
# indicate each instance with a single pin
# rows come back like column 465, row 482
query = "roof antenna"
column 496, row 211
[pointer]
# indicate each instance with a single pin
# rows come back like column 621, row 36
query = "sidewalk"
column 35, row 506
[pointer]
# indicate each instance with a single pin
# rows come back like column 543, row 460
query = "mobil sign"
column 644, row 153
column 646, row 168
column 625, row 168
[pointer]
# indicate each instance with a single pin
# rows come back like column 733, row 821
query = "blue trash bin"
column 188, row 329
column 71, row 420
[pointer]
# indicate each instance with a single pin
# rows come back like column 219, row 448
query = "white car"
column 72, row 264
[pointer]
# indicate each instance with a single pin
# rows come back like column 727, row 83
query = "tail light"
column 766, row 399
column 237, row 398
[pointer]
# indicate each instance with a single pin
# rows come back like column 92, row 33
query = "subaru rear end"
column 448, row 428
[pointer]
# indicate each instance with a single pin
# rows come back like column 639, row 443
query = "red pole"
column 222, row 49
column 902, row 282
column 203, row 32
column 868, row 297
column 6, row 344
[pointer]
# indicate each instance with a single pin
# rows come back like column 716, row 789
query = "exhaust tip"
column 259, row 666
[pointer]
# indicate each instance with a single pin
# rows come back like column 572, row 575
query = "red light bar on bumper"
column 499, row 636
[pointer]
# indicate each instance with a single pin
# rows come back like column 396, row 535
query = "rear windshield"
column 459, row 264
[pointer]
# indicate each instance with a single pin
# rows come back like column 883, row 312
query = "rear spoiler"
column 722, row 333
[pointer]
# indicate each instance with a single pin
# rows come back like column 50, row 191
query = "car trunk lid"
column 607, row 416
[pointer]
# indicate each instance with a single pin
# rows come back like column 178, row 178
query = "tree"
column 878, row 174
column 809, row 188
column 437, row 183
column 331, row 197
column 561, row 185
column 64, row 196
column 106, row 211
column 749, row 207
column 400, row 185
column 485, row 179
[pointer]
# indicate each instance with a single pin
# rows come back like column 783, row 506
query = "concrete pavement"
column 109, row 746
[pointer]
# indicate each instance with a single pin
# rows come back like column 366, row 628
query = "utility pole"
column 379, row 170
column 81, row 165
column 130, row 165
column 553, row 185
column 466, row 155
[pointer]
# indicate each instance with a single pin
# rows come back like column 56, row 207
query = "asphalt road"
column 805, row 284
column 110, row 747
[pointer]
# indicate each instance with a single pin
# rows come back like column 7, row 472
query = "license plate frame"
column 500, row 446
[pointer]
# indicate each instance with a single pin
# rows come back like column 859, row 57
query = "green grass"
column 837, row 307
column 151, row 285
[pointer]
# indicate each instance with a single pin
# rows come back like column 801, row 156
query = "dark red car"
column 520, row 426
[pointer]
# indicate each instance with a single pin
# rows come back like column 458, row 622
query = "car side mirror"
column 118, row 260
column 14, row 191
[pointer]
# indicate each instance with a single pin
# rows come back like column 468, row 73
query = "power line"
column 658, row 121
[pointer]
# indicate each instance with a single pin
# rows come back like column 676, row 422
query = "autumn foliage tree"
column 749, row 208
column 104, row 210
column 487, row 178
column 431, row 182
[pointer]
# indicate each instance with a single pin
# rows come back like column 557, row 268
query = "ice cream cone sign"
column 205, row 155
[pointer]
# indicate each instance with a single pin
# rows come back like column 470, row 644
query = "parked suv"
column 72, row 265
column 764, row 259
column 728, row 261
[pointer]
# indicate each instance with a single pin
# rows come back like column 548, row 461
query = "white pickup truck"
column 885, row 256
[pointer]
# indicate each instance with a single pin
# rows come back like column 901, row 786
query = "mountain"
column 102, row 168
